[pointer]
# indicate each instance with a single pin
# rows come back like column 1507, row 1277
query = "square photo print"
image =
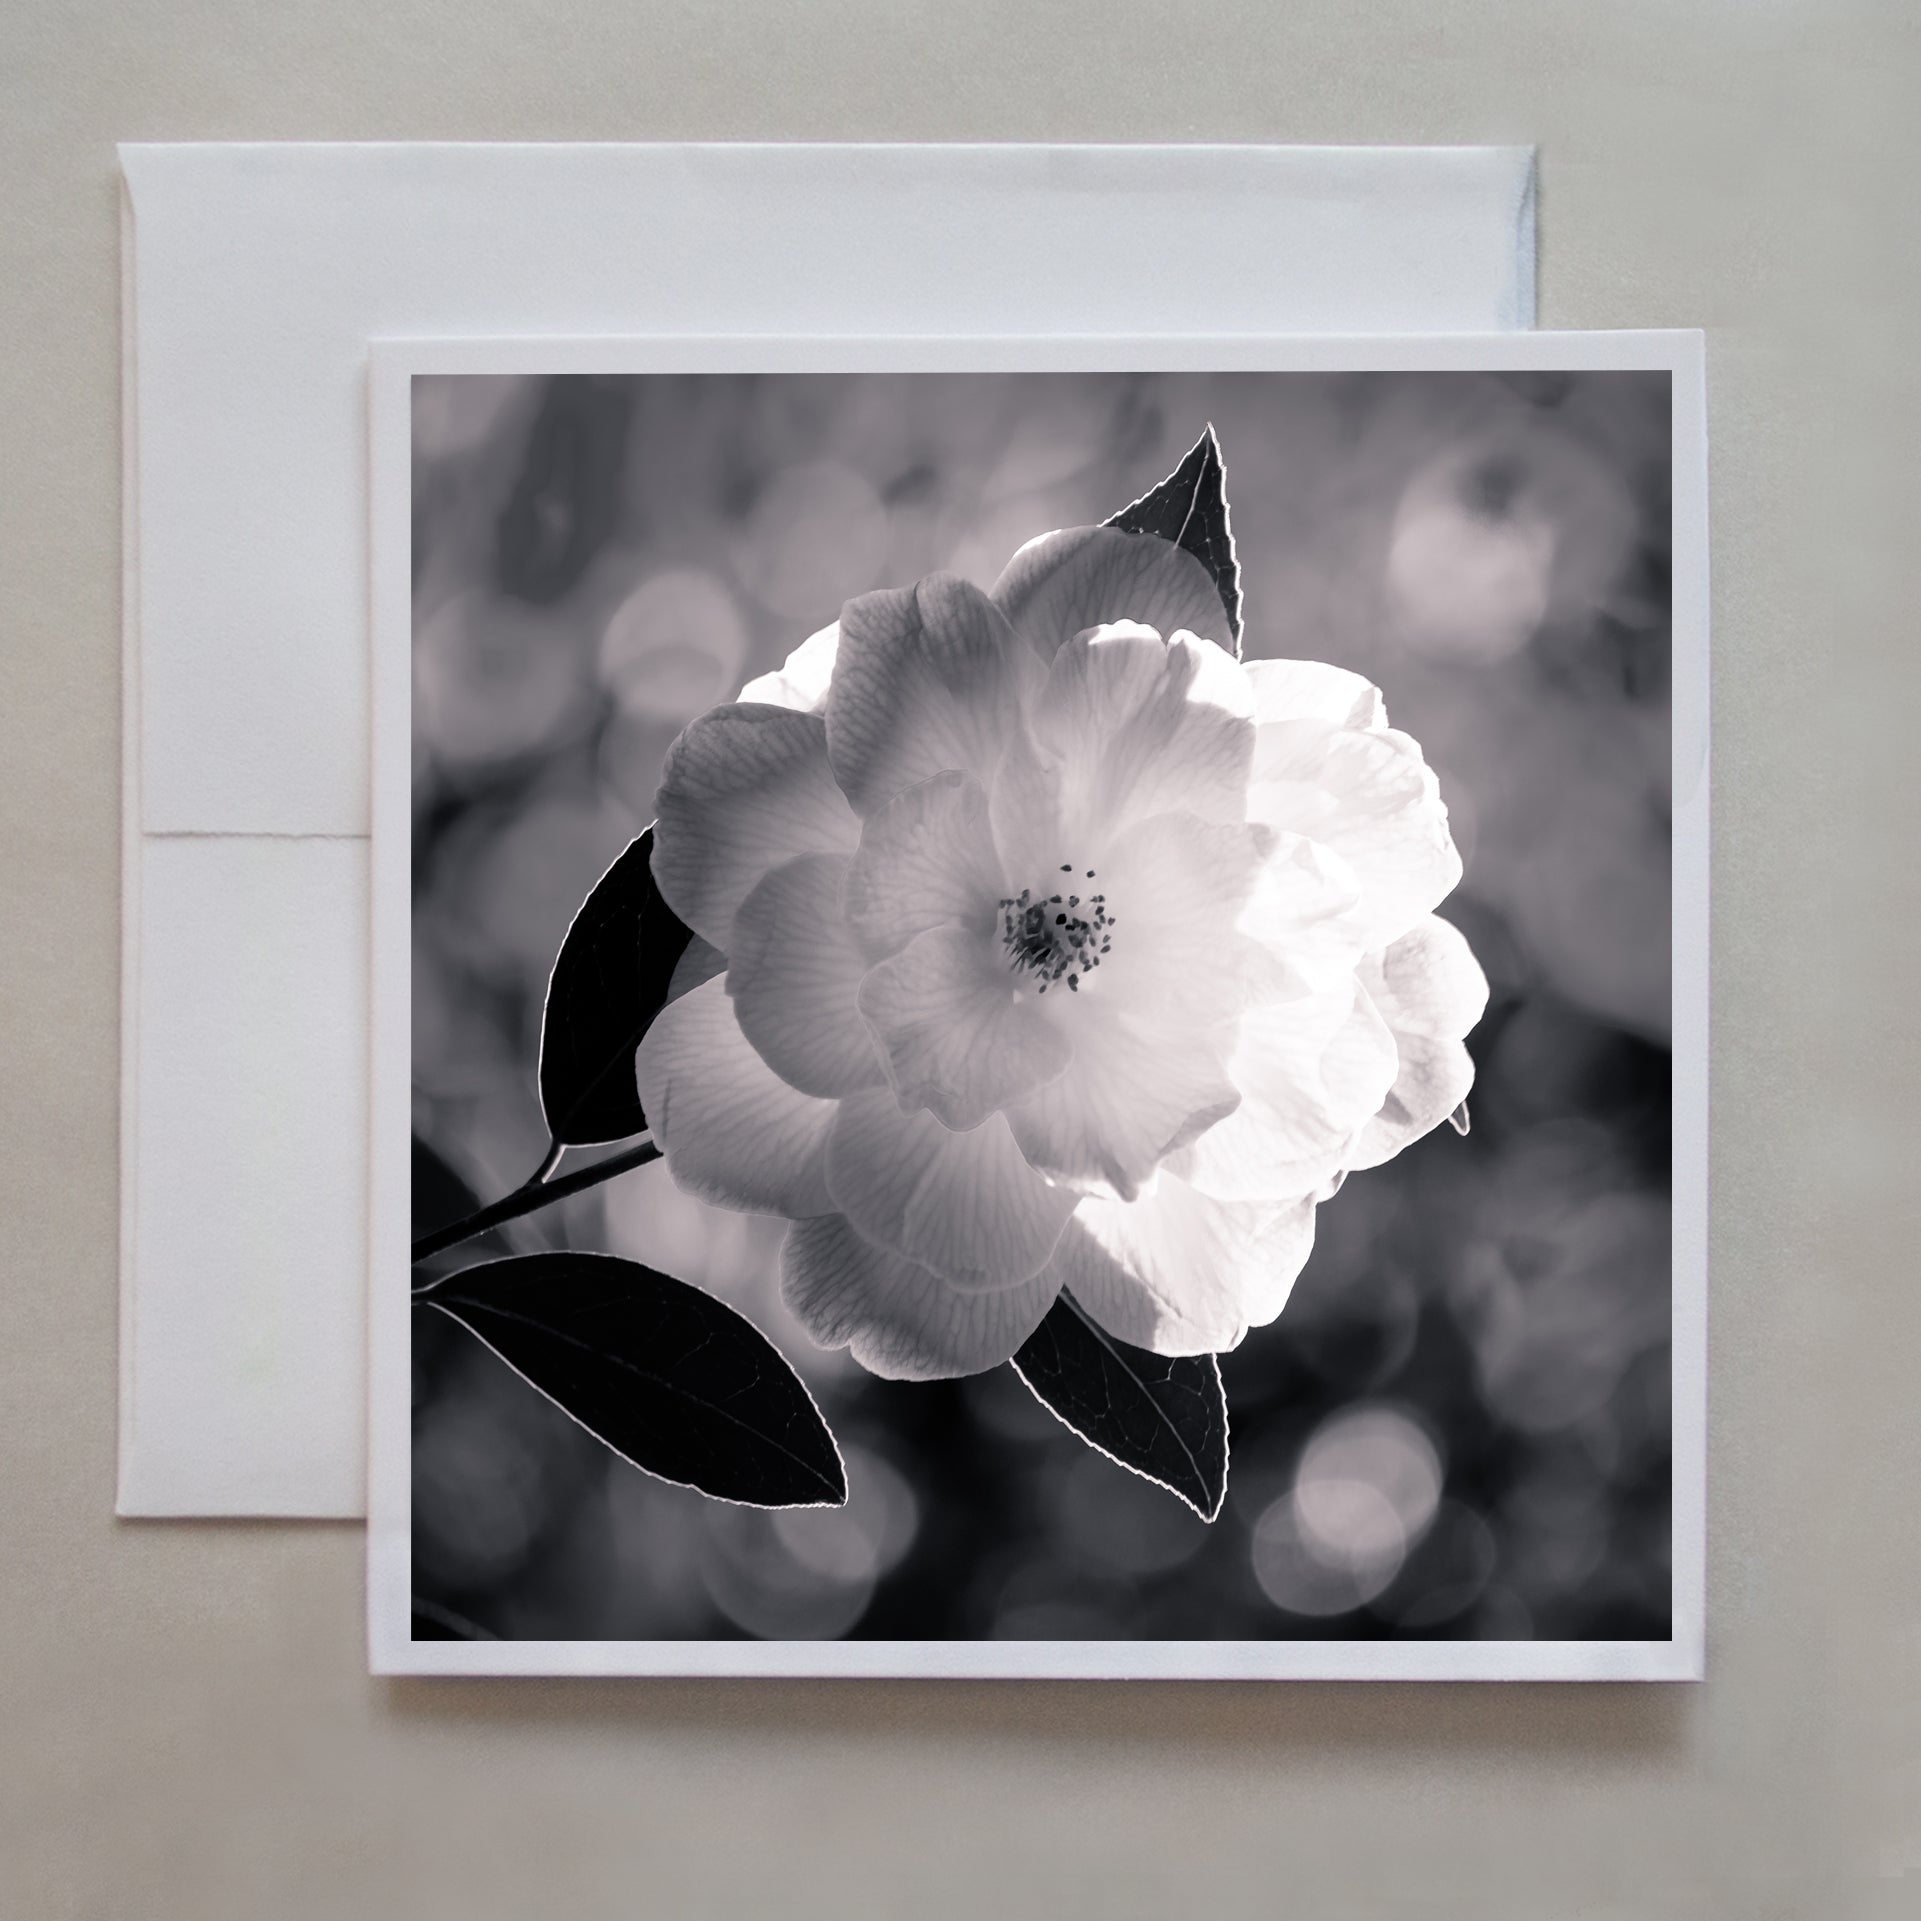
column 1037, row 1018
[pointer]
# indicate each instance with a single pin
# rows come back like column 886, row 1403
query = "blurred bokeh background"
column 1460, row 1424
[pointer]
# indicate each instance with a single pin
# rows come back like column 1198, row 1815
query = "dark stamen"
column 1053, row 939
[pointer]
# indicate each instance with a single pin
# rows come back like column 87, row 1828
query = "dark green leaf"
column 1189, row 508
column 611, row 978
column 668, row 1377
column 1164, row 1418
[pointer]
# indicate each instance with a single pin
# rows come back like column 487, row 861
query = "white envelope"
column 254, row 278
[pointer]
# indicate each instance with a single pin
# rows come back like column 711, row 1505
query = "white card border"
column 393, row 363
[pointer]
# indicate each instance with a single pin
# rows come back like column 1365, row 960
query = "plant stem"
column 524, row 1200
column 556, row 1153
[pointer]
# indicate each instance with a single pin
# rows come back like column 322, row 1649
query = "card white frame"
column 393, row 364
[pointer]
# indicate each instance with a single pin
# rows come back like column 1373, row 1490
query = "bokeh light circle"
column 809, row 1573
column 492, row 679
column 674, row 647
column 1469, row 563
column 817, row 535
column 1364, row 1494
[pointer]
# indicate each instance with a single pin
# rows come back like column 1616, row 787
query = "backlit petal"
column 1372, row 799
column 800, row 682
column 1135, row 1091
column 956, row 1038
column 1311, row 1074
column 733, row 1132
column 965, row 1205
column 1081, row 577
column 928, row 678
column 1430, row 990
column 900, row 1320
column 1128, row 726
column 1428, row 981
column 1175, row 889
column 926, row 859
column 1300, row 921
column 793, row 973
column 1178, row 1273
column 744, row 790
column 1312, row 690
column 699, row 961
column 1434, row 1079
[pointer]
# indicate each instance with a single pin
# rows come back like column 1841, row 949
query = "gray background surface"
column 186, row 1726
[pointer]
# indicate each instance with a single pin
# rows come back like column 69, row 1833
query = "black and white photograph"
column 1042, row 1016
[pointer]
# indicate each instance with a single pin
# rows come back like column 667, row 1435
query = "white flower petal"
column 1372, row 799
column 1311, row 1073
column 744, row 790
column 1428, row 981
column 1174, row 889
column 901, row 1321
column 794, row 972
column 801, row 681
column 699, row 961
column 1123, row 673
column 1300, row 921
column 966, row 1206
column 733, row 1132
column 1082, row 577
column 1434, row 1079
column 1134, row 1092
column 1312, row 690
column 956, row 1038
column 1130, row 726
column 1178, row 1273
column 928, row 679
column 1430, row 990
column 926, row 859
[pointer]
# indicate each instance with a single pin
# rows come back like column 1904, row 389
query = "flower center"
column 1056, row 937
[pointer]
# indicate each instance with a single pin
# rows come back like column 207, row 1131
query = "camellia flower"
column 1061, row 949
